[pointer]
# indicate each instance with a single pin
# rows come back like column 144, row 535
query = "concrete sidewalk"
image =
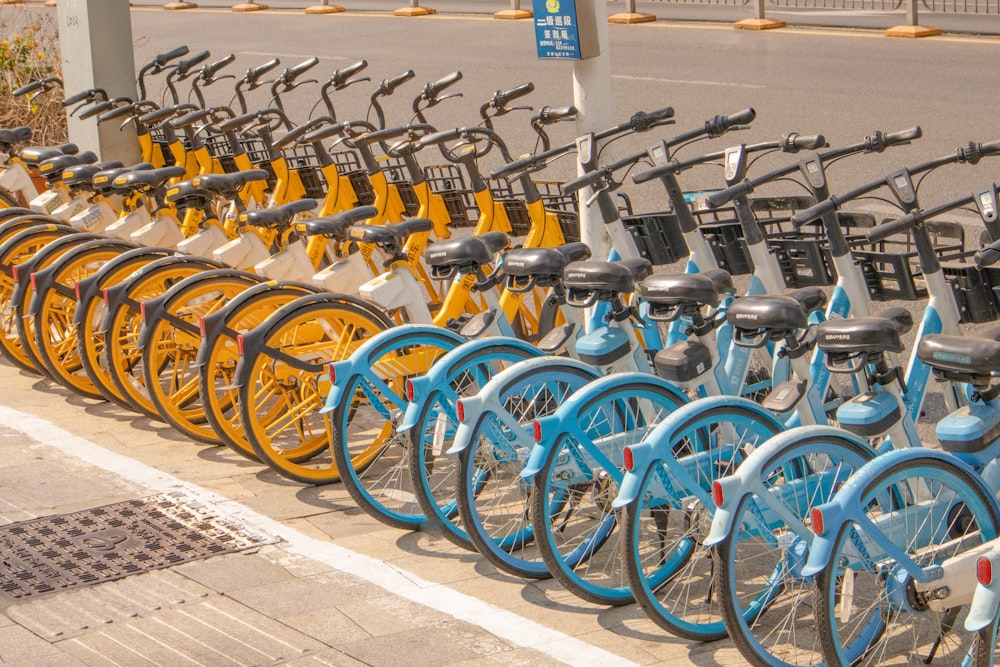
column 334, row 588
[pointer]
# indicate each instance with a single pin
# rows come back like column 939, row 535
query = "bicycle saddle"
column 83, row 174
column 975, row 355
column 694, row 288
column 53, row 167
column 32, row 155
column 336, row 226
column 148, row 179
column 14, row 136
column 526, row 267
column 871, row 335
column 102, row 181
column 606, row 277
column 445, row 258
column 227, row 185
column 184, row 191
column 390, row 237
column 277, row 217
column 770, row 311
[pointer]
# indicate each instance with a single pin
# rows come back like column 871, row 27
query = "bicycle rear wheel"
column 170, row 339
column 53, row 310
column 283, row 381
column 218, row 355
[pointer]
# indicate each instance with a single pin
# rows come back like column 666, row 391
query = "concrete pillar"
column 95, row 42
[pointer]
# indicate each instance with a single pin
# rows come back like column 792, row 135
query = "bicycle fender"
column 346, row 370
column 488, row 399
column 986, row 600
column 442, row 368
column 838, row 511
column 628, row 489
column 748, row 477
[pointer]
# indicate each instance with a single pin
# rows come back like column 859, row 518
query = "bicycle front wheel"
column 869, row 611
column 370, row 456
column 575, row 524
column 669, row 567
column 493, row 499
column 767, row 603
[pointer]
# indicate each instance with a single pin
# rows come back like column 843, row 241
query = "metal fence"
column 943, row 6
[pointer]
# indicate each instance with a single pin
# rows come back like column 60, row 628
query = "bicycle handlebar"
column 794, row 142
column 502, row 98
column 290, row 74
column 874, row 143
column 341, row 77
column 431, row 90
column 183, row 69
column 97, row 109
column 293, row 137
column 252, row 77
column 388, row 86
column 164, row 58
column 41, row 84
column 89, row 95
column 208, row 71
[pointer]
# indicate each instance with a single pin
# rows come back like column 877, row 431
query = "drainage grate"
column 56, row 553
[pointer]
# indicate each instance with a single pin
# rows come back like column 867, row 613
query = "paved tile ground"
column 339, row 588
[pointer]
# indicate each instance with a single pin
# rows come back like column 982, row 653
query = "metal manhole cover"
column 101, row 544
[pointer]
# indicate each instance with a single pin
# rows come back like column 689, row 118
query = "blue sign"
column 557, row 32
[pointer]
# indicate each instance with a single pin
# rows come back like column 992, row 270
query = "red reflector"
column 76, row 289
column 105, row 293
column 239, row 344
column 34, row 285
column 460, row 411
column 201, row 327
column 629, row 460
column 332, row 372
column 142, row 310
column 536, row 431
column 717, row 495
column 817, row 520
column 408, row 390
column 984, row 570
column 13, row 272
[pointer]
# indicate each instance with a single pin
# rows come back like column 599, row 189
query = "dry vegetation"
column 29, row 51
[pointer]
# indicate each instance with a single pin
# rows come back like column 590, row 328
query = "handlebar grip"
column 191, row 118
column 512, row 167
column 813, row 212
column 164, row 58
column 439, row 137
column 29, row 88
column 98, row 108
column 588, row 179
column 432, row 89
column 514, row 93
column 992, row 148
column 642, row 121
column 342, row 75
column 650, row 174
column 549, row 115
column 390, row 85
column 887, row 229
column 255, row 73
column 799, row 142
column 209, row 71
column 117, row 112
column 239, row 121
column 185, row 65
column 903, row 136
column 989, row 255
column 79, row 97
column 293, row 73
column 744, row 117
column 722, row 197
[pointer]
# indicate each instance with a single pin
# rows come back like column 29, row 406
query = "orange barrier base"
column 631, row 17
column 324, row 9
column 759, row 24
column 248, row 7
column 180, row 5
column 513, row 14
column 912, row 31
column 414, row 11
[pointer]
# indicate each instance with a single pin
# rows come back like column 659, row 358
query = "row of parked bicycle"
column 738, row 465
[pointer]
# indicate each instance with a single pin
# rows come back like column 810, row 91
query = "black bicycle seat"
column 227, row 185
column 149, row 179
column 859, row 334
column 967, row 355
column 277, row 217
column 771, row 312
column 336, row 226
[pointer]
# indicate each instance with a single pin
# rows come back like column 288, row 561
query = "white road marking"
column 689, row 82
